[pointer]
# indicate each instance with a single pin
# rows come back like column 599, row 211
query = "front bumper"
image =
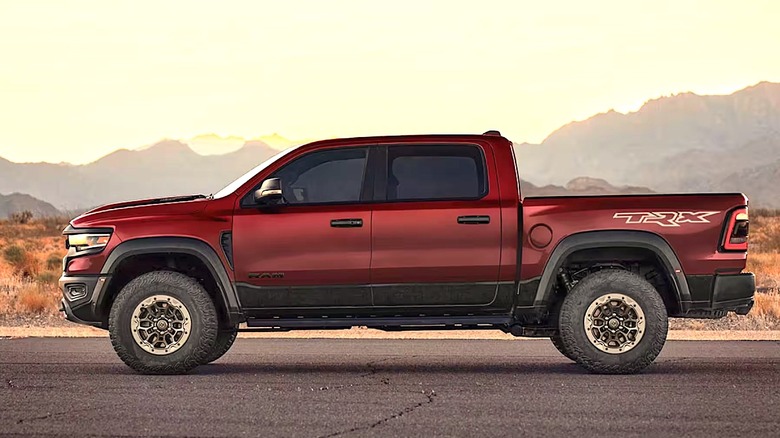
column 80, row 307
column 722, row 294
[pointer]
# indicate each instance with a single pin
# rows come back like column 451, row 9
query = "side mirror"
column 270, row 192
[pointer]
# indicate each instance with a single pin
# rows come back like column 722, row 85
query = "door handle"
column 473, row 220
column 346, row 223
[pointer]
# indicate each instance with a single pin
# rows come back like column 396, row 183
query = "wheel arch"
column 613, row 239
column 201, row 251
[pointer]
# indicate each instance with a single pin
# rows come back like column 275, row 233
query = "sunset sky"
column 79, row 79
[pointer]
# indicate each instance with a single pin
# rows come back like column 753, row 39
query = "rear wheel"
column 225, row 339
column 613, row 322
column 558, row 343
column 163, row 323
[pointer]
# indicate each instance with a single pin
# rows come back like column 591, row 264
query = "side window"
column 334, row 175
column 435, row 173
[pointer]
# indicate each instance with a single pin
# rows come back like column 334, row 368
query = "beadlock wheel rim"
column 160, row 324
column 614, row 323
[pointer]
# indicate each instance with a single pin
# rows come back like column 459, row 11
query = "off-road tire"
column 575, row 339
column 203, row 330
column 225, row 339
column 558, row 343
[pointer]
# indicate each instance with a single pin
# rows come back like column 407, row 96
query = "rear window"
column 441, row 172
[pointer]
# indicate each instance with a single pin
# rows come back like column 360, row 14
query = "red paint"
column 300, row 242
column 413, row 241
column 696, row 245
column 422, row 242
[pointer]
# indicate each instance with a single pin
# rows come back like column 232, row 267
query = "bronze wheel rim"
column 161, row 324
column 614, row 323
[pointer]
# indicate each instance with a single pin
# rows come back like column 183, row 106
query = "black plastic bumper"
column 82, row 309
column 722, row 294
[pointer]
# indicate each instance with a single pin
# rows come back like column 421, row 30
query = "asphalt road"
column 328, row 388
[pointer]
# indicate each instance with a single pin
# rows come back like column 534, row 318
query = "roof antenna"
column 492, row 132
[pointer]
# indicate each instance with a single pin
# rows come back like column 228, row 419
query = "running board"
column 381, row 323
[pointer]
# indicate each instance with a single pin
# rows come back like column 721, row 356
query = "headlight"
column 83, row 242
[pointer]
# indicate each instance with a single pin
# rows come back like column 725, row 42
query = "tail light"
column 736, row 236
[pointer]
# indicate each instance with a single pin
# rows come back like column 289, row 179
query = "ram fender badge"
column 266, row 275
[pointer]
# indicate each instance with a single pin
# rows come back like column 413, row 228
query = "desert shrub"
column 21, row 297
column 764, row 212
column 761, row 216
column 34, row 299
column 47, row 277
column 21, row 217
column 24, row 263
column 6, row 304
column 772, row 241
column 14, row 255
column 52, row 225
column 54, row 262
column 767, row 305
column 764, row 234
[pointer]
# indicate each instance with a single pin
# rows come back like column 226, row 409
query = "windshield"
column 232, row 187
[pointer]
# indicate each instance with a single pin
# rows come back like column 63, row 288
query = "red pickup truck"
column 403, row 233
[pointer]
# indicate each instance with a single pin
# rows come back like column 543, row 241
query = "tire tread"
column 571, row 319
column 225, row 340
column 203, row 305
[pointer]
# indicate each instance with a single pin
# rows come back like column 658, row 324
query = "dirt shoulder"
column 364, row 333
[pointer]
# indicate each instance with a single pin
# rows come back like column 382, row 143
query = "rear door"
column 436, row 237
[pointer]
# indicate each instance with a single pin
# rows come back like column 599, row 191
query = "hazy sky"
column 79, row 79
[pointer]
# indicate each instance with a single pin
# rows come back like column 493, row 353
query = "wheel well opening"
column 186, row 264
column 641, row 261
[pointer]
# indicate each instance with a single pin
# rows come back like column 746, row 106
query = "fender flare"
column 608, row 239
column 181, row 245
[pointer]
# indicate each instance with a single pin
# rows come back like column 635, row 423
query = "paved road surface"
column 328, row 388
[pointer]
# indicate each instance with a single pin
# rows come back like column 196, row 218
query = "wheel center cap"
column 162, row 325
column 613, row 323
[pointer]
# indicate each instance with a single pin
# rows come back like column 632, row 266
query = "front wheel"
column 613, row 322
column 225, row 339
column 163, row 322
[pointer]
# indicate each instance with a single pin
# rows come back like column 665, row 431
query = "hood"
column 150, row 201
column 146, row 209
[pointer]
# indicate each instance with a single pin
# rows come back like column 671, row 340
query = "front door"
column 437, row 230
column 314, row 251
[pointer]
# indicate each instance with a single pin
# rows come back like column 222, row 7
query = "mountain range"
column 680, row 143
column 18, row 202
column 580, row 186
column 167, row 168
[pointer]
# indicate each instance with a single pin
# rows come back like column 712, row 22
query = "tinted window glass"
column 435, row 172
column 326, row 176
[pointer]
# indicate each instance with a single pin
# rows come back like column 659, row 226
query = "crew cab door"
column 436, row 226
column 314, row 250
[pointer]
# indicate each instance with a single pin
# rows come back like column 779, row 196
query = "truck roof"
column 411, row 138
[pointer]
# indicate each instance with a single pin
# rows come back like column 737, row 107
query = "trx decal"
column 666, row 218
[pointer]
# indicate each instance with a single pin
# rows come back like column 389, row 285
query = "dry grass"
column 765, row 231
column 30, row 263
column 35, row 298
column 767, row 305
column 766, row 266
column 27, row 298
column 24, row 262
column 28, row 276
column 38, row 228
